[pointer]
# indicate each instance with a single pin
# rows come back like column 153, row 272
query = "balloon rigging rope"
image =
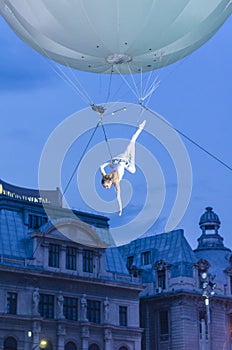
column 125, row 80
column 189, row 139
column 133, row 81
column 57, row 69
column 60, row 73
column 83, row 90
column 110, row 83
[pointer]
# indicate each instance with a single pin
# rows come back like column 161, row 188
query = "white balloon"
column 123, row 36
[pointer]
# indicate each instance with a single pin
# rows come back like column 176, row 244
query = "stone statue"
column 106, row 309
column 84, row 308
column 36, row 299
column 60, row 304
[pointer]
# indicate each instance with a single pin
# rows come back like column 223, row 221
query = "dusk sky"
column 194, row 95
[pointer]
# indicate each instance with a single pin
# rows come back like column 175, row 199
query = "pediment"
column 75, row 231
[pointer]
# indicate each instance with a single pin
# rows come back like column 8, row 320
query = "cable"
column 108, row 146
column 189, row 139
column 83, row 153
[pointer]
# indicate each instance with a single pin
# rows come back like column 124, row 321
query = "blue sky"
column 194, row 95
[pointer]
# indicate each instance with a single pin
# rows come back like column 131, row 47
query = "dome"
column 209, row 218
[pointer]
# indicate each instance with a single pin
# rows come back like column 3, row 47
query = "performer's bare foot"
column 141, row 126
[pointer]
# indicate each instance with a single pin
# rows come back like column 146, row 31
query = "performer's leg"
column 129, row 153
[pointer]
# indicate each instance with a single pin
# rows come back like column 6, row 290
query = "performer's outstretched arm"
column 102, row 168
column 118, row 191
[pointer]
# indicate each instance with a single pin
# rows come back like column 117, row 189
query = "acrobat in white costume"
column 123, row 161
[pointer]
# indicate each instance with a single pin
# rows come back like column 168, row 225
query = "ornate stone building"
column 187, row 302
column 61, row 287
column 66, row 286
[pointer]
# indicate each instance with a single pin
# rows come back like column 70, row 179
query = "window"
column 11, row 303
column 71, row 308
column 10, row 344
column 35, row 221
column 46, row 306
column 161, row 278
column 146, row 258
column 54, row 255
column 123, row 315
column 130, row 261
column 88, row 261
column 94, row 347
column 70, row 346
column 163, row 324
column 94, row 311
column 71, row 258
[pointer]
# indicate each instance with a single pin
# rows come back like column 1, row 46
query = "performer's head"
column 106, row 181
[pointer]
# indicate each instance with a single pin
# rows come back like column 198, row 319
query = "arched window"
column 10, row 343
column 94, row 347
column 70, row 346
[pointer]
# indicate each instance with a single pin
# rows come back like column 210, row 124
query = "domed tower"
column 210, row 224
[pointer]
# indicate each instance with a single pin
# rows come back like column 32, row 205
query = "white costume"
column 123, row 161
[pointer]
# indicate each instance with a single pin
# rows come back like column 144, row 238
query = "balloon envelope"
column 120, row 35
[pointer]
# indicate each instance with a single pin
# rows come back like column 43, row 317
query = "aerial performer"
column 123, row 161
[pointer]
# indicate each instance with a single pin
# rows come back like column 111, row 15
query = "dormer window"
column 129, row 263
column 35, row 221
column 146, row 258
column 161, row 274
column 202, row 266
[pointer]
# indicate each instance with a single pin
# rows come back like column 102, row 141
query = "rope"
column 78, row 163
column 108, row 146
column 189, row 139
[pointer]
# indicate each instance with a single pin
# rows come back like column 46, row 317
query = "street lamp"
column 42, row 344
column 208, row 290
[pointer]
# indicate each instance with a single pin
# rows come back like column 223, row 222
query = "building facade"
column 187, row 302
column 64, row 285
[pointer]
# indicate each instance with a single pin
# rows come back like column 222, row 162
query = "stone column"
column 46, row 255
column 63, row 258
column 84, row 338
column 36, row 329
column 108, row 339
column 80, row 261
column 61, row 332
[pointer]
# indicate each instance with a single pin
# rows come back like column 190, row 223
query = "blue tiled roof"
column 171, row 247
column 115, row 262
column 14, row 240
